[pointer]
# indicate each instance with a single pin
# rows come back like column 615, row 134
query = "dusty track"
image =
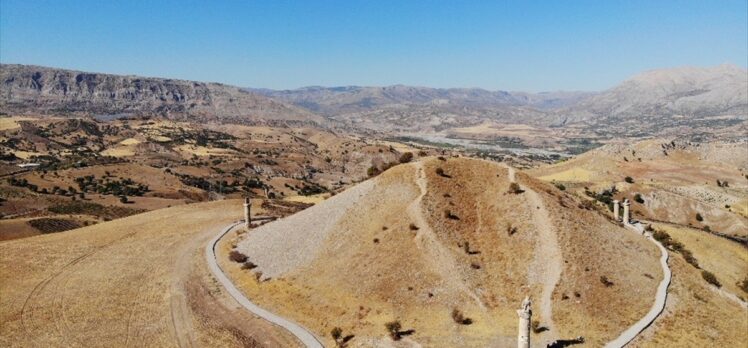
column 428, row 243
column 548, row 259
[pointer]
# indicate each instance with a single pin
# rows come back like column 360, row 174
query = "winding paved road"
column 660, row 298
column 304, row 335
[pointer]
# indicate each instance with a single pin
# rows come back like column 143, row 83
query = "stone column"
column 525, row 317
column 247, row 218
column 616, row 207
column 626, row 216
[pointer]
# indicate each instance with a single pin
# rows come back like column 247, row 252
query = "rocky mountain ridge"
column 26, row 89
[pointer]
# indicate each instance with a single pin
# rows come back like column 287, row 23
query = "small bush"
column 373, row 171
column 699, row 218
column 560, row 186
column 237, row 256
column 336, row 333
column 422, row 153
column 510, row 230
column 393, row 328
column 606, row 281
column 514, row 188
column 744, row 285
column 406, row 157
column 629, row 180
column 413, row 227
column 688, row 256
column 440, row 172
column 710, row 278
column 459, row 318
column 249, row 265
column 448, row 214
column 638, row 199
column 536, row 328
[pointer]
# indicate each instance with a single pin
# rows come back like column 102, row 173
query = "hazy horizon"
column 516, row 46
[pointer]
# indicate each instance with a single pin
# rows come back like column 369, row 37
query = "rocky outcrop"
column 40, row 90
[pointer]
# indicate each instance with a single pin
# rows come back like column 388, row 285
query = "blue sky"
column 508, row 45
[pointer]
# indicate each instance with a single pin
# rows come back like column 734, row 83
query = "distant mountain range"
column 653, row 98
column 39, row 90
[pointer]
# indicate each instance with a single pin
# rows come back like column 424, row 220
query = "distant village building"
column 29, row 165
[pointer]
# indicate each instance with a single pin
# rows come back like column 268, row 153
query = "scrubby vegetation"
column 109, row 186
column 668, row 242
column 744, row 285
column 52, row 225
column 710, row 278
column 459, row 318
column 515, row 189
column 237, row 256
column 629, row 180
column 536, row 328
column 440, row 172
column 89, row 208
column 393, row 328
column 406, row 157
column 449, row 215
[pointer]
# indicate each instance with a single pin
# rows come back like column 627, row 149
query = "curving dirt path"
column 548, row 258
column 427, row 241
column 304, row 335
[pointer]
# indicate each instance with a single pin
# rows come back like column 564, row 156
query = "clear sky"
column 509, row 45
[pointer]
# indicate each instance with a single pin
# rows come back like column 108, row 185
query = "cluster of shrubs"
column 220, row 186
column 117, row 187
column 710, row 278
column 605, row 196
column 238, row 257
column 82, row 207
column 676, row 246
column 308, row 189
column 668, row 242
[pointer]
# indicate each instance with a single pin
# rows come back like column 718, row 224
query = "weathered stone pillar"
column 626, row 216
column 247, row 218
column 525, row 317
column 616, row 207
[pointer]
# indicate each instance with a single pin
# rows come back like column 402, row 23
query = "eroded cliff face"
column 32, row 89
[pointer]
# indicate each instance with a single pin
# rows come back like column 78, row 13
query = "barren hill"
column 687, row 91
column 675, row 181
column 435, row 242
column 34, row 89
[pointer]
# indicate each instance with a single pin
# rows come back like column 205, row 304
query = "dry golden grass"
column 137, row 281
column 313, row 199
column 728, row 260
column 695, row 315
column 9, row 123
